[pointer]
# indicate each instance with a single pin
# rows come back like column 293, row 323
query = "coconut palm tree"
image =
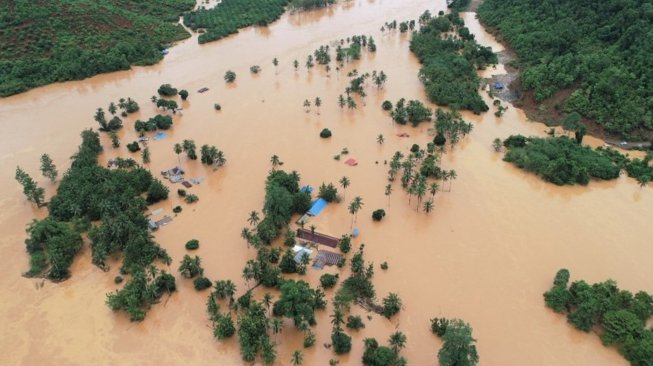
column 452, row 175
column 337, row 319
column 274, row 160
column 434, row 188
column 388, row 192
column 307, row 105
column 267, row 300
column 344, row 183
column 355, row 205
column 247, row 235
column 253, row 218
column 380, row 139
column 297, row 358
column 112, row 108
column 341, row 101
column 313, row 228
column 277, row 325
column 275, row 62
column 351, row 103
column 428, row 206
column 295, row 64
column 397, row 341
column 318, row 103
column 178, row 150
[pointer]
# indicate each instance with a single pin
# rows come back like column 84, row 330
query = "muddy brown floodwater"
column 486, row 254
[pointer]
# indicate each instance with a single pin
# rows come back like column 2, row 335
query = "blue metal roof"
column 317, row 207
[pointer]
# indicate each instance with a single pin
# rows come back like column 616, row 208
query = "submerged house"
column 318, row 238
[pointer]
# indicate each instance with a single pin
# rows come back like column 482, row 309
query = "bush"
column 328, row 280
column 341, row 342
column 255, row 69
column 414, row 148
column 202, row 283
column 378, row 215
column 345, row 244
column 217, row 107
column 183, row 94
column 391, row 305
column 192, row 244
column 384, row 266
column 177, row 209
column 133, row 147
column 118, row 280
column 191, row 198
column 325, row 133
column 387, row 105
column 230, row 76
column 181, row 192
column 157, row 192
column 167, row 90
column 355, row 322
column 328, row 192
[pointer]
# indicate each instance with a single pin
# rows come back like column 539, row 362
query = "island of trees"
column 449, row 62
column 40, row 43
column 616, row 315
column 593, row 57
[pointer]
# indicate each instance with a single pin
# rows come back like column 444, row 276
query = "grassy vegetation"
column 449, row 64
column 230, row 15
column 616, row 315
column 601, row 51
column 42, row 42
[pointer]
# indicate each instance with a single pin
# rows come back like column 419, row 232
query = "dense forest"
column 42, row 42
column 600, row 51
column 230, row 15
column 617, row 316
column 450, row 62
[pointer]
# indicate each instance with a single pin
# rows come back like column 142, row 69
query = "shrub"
column 384, row 266
column 355, row 322
column 387, row 105
column 255, row 69
column 328, row 192
column 183, row 94
column 157, row 192
column 191, row 198
column 192, row 244
column 391, row 305
column 177, row 209
column 378, row 215
column 325, row 133
column 230, row 76
column 414, row 148
column 167, row 90
column 328, row 280
column 341, row 342
column 217, row 107
column 181, row 192
column 201, row 283
column 118, row 280
column 133, row 147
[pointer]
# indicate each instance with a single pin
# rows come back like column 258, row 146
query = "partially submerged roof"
column 317, row 207
column 318, row 238
column 351, row 162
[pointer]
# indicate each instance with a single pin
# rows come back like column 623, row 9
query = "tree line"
column 41, row 44
column 450, row 56
column 598, row 51
column 616, row 315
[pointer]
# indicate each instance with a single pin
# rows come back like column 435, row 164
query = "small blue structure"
column 306, row 189
column 498, row 86
column 165, row 52
column 160, row 136
column 317, row 207
column 354, row 233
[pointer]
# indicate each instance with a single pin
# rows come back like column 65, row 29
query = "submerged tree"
column 48, row 169
column 32, row 191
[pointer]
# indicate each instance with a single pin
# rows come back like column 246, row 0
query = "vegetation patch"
column 616, row 315
column 449, row 64
column 48, row 41
column 602, row 54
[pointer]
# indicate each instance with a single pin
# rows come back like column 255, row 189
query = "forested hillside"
column 45, row 41
column 600, row 49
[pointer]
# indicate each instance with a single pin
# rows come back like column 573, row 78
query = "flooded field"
column 486, row 254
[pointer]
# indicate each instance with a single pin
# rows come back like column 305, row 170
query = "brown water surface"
column 486, row 254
